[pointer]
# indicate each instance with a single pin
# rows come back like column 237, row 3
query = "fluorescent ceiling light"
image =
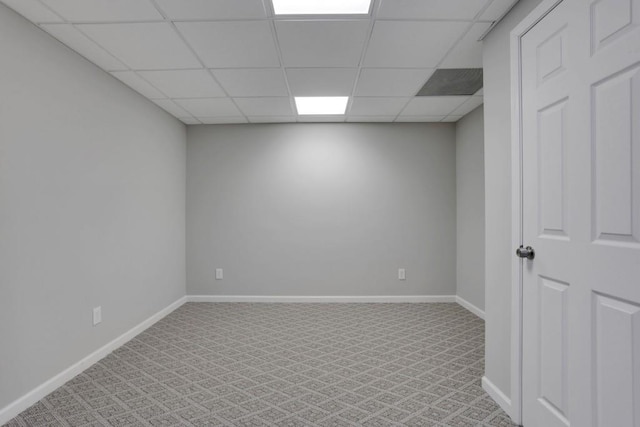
column 320, row 105
column 321, row 7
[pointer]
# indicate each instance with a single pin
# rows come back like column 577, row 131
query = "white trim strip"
column 16, row 407
column 472, row 308
column 497, row 395
column 323, row 299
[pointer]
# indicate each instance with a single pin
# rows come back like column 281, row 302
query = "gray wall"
column 497, row 156
column 92, row 192
column 321, row 209
column 470, row 207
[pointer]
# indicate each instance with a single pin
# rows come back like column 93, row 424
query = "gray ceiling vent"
column 453, row 81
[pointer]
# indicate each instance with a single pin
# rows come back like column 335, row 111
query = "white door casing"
column 578, row 130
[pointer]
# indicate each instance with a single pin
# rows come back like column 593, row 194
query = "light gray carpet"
column 286, row 365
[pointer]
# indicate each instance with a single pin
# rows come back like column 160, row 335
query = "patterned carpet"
column 232, row 364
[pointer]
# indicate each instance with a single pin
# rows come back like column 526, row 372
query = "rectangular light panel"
column 321, row 7
column 319, row 105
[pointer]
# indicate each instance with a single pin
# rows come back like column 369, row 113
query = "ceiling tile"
column 433, row 105
column 189, row 121
column 496, row 9
column 138, row 84
column 143, row 46
column 222, row 120
column 104, row 10
column 212, row 9
column 470, row 105
column 209, row 107
column 171, row 107
column 411, row 44
column 377, row 106
column 368, row 119
column 272, row 119
column 419, row 119
column 321, row 81
column 77, row 41
column 33, row 10
column 467, row 53
column 322, row 43
column 265, row 106
column 391, row 81
column 430, row 9
column 451, row 118
column 184, row 83
column 237, row 44
column 252, row 81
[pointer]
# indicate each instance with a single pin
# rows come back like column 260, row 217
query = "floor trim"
column 497, row 395
column 472, row 308
column 323, row 299
column 16, row 407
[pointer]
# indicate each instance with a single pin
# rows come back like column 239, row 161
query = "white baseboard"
column 472, row 308
column 323, row 299
column 16, row 407
column 497, row 395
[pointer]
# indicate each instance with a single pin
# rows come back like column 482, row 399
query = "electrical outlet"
column 97, row 315
column 402, row 274
column 219, row 274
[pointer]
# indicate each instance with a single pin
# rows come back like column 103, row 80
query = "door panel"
column 617, row 361
column 581, row 213
column 616, row 147
column 552, row 170
column 553, row 345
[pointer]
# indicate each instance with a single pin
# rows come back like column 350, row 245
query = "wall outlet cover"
column 97, row 315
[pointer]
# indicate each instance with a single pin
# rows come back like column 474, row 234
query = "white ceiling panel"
column 222, row 120
column 104, row 10
column 392, row 81
column 322, row 43
column 77, row 41
column 137, row 83
column 370, row 119
column 272, row 119
column 236, row 44
column 377, row 106
column 467, row 53
column 143, row 46
column 209, row 107
column 233, row 61
column 419, row 119
column 411, row 44
column 171, row 107
column 252, row 81
column 265, row 106
column 212, row 9
column 33, row 10
column 433, row 105
column 430, row 9
column 321, row 81
column 470, row 105
column 451, row 118
column 496, row 9
column 184, row 83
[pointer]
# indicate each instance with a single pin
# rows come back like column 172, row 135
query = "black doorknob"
column 527, row 252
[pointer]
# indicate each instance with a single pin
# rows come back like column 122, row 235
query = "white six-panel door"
column 581, row 214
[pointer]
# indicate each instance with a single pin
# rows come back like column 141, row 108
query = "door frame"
column 535, row 16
